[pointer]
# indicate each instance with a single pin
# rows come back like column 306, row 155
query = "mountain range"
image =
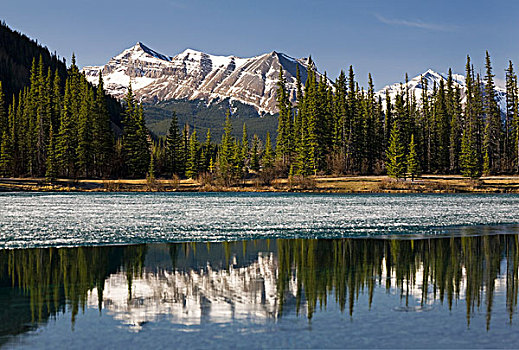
column 195, row 75
column 194, row 80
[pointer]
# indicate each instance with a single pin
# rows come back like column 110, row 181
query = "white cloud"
column 416, row 23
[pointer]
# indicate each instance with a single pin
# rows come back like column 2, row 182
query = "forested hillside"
column 17, row 52
column 60, row 125
column 203, row 116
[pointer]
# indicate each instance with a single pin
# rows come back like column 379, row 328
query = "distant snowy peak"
column 140, row 51
column 433, row 78
column 197, row 75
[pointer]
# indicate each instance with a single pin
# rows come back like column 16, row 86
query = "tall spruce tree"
column 284, row 142
column 254, row 160
column 102, row 135
column 51, row 166
column 469, row 161
column 174, row 147
column 226, row 152
column 268, row 155
column 244, row 150
column 395, row 154
column 511, row 149
column 413, row 166
column 492, row 136
column 193, row 156
column 4, row 123
column 135, row 138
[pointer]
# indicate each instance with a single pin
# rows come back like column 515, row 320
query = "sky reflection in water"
column 451, row 291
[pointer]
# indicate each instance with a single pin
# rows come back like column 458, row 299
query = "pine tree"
column 4, row 123
column 511, row 149
column 184, row 150
column 208, row 151
column 254, row 161
column 413, row 167
column 426, row 127
column 193, row 157
column 7, row 146
column 5, row 161
column 66, row 140
column 492, row 137
column 395, row 154
column 268, row 155
column 102, row 135
column 388, row 119
column 135, row 138
column 41, row 95
column 469, row 158
column 151, row 168
column 174, row 147
column 143, row 141
column 51, row 166
column 442, row 126
column 455, row 131
column 226, row 152
column 244, row 151
column 84, row 147
column 339, row 116
column 284, row 142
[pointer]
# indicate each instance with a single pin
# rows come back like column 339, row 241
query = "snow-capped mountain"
column 415, row 86
column 195, row 75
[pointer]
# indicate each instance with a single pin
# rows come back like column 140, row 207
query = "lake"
column 258, row 270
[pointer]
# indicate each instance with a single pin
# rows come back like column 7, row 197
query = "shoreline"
column 319, row 184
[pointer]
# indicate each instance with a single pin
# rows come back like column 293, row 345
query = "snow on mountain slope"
column 193, row 75
column 196, row 75
column 432, row 77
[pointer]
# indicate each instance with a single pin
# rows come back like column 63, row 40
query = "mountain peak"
column 195, row 75
column 143, row 49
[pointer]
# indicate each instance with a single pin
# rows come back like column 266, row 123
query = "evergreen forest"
column 57, row 125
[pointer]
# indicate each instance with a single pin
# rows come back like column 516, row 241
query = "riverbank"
column 343, row 184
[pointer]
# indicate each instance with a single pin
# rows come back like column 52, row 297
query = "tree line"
column 343, row 129
column 54, row 129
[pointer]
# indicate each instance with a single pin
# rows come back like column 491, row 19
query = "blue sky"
column 386, row 38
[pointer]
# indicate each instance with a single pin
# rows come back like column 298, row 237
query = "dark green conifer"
column 51, row 166
column 267, row 160
column 492, row 138
column 193, row 157
column 254, row 161
column 413, row 167
column 174, row 147
column 102, row 135
column 244, row 151
column 283, row 143
column 395, row 154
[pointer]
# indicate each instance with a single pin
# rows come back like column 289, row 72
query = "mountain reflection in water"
column 263, row 280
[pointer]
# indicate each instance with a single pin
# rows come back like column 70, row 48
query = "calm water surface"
column 422, row 271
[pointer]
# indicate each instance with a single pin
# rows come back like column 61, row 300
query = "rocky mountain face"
column 194, row 75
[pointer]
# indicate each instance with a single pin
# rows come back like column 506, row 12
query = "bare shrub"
column 111, row 185
column 266, row 176
column 304, row 182
column 153, row 185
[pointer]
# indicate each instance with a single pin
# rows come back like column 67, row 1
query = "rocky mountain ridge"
column 195, row 75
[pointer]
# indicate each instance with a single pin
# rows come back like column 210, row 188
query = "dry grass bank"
column 343, row 184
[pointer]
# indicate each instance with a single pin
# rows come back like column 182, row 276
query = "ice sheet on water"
column 36, row 220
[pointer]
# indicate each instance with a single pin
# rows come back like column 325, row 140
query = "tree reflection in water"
column 262, row 278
